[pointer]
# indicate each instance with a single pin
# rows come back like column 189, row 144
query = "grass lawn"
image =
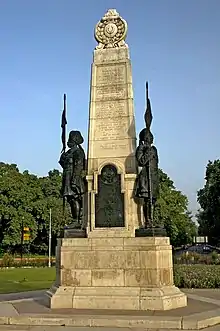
column 19, row 280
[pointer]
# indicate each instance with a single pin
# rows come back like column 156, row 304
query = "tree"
column 25, row 201
column 209, row 199
column 17, row 194
column 171, row 210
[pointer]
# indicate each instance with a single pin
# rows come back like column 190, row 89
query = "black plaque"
column 109, row 202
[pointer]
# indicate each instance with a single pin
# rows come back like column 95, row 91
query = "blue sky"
column 46, row 50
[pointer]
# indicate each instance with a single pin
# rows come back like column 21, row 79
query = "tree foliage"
column 209, row 199
column 171, row 210
column 25, row 200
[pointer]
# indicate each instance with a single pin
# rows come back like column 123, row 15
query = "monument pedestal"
column 115, row 273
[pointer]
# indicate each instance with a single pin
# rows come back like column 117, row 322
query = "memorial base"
column 153, row 231
column 115, row 273
column 74, row 233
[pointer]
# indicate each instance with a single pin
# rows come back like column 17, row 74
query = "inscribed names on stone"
column 113, row 92
column 112, row 108
column 111, row 128
column 113, row 148
column 111, row 75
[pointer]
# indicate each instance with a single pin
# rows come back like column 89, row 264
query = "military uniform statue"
column 147, row 185
column 148, row 179
column 73, row 163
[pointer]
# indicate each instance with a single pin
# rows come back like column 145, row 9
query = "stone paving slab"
column 208, row 293
column 35, row 314
column 7, row 310
column 70, row 328
column 39, row 307
column 21, row 295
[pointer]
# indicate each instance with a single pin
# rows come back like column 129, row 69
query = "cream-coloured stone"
column 60, row 297
column 111, row 31
column 108, row 291
column 106, row 277
column 109, row 109
column 107, row 244
column 110, row 233
column 111, row 129
column 154, row 259
column 112, row 134
column 71, row 277
column 103, row 302
column 157, row 242
column 128, row 273
column 111, row 148
column 114, row 55
column 111, row 269
column 109, row 260
column 111, row 74
column 75, row 242
column 163, row 298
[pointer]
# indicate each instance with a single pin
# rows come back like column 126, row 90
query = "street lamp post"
column 50, row 236
column 22, row 236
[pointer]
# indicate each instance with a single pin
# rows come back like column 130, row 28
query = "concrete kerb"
column 201, row 320
column 153, row 322
column 192, row 322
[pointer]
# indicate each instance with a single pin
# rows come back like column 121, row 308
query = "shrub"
column 197, row 276
column 215, row 257
column 195, row 258
column 7, row 260
column 10, row 261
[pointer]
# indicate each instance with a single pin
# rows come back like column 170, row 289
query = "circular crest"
column 111, row 29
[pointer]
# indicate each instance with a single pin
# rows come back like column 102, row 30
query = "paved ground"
column 22, row 295
column 24, row 305
column 66, row 328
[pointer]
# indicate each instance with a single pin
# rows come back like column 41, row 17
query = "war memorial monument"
column 112, row 256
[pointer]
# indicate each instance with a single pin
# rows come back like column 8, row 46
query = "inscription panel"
column 111, row 128
column 113, row 92
column 109, row 202
column 111, row 55
column 113, row 148
column 111, row 109
column 107, row 75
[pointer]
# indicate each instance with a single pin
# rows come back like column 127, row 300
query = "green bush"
column 9, row 261
column 197, row 276
column 195, row 258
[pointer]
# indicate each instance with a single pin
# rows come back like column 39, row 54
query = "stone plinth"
column 115, row 273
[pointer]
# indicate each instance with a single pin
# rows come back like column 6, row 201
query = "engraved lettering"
column 107, row 75
column 111, row 92
column 110, row 109
column 113, row 128
column 112, row 146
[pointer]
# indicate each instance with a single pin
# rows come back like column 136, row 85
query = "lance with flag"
column 63, row 135
column 63, row 125
column 148, row 120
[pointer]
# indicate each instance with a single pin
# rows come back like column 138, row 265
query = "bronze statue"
column 73, row 163
column 73, row 183
column 147, row 158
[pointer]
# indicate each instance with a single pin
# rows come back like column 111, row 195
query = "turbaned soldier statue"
column 73, row 162
column 147, row 184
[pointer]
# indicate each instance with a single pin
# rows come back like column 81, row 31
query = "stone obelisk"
column 112, row 135
column 111, row 268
